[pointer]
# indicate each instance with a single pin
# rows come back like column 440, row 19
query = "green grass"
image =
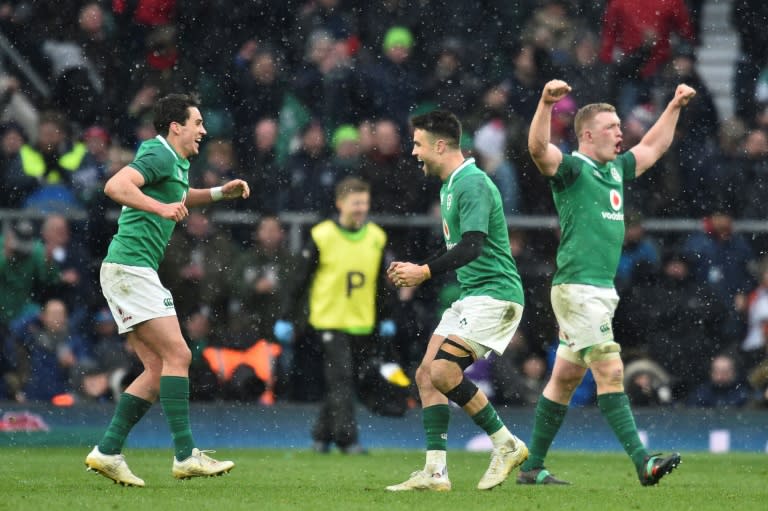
column 46, row 479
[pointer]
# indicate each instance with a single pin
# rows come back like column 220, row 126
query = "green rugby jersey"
column 589, row 198
column 469, row 201
column 142, row 237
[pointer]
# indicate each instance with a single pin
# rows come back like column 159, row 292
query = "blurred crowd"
column 299, row 94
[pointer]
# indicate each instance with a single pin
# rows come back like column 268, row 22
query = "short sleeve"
column 475, row 203
column 154, row 165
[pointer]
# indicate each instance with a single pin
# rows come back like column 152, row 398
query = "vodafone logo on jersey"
column 615, row 200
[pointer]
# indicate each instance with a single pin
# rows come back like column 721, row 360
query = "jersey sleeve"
column 628, row 165
column 154, row 165
column 475, row 203
column 567, row 173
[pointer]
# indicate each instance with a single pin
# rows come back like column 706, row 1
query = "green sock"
column 174, row 398
column 436, row 419
column 130, row 409
column 488, row 419
column 547, row 421
column 615, row 408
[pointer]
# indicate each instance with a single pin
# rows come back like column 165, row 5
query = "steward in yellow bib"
column 51, row 161
column 343, row 271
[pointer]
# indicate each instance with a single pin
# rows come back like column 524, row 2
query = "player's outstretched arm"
column 125, row 189
column 658, row 139
column 546, row 156
column 235, row 189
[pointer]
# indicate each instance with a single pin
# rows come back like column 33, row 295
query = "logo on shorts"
column 123, row 317
column 168, row 302
column 463, row 322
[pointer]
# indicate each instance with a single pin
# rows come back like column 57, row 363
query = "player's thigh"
column 566, row 369
column 163, row 336
column 150, row 359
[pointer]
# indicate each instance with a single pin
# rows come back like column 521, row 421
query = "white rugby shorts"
column 134, row 295
column 584, row 314
column 485, row 323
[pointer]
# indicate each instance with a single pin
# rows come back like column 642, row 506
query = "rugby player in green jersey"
column 155, row 194
column 588, row 191
column 483, row 319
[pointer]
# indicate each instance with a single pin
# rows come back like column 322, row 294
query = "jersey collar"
column 182, row 161
column 585, row 158
column 461, row 167
column 167, row 145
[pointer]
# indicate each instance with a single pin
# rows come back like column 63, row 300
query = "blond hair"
column 589, row 112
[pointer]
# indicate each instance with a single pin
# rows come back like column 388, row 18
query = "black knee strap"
column 462, row 393
column 462, row 362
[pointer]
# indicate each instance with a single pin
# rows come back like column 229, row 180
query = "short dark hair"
column 441, row 124
column 173, row 108
column 351, row 185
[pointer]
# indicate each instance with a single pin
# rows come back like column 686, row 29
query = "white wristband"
column 216, row 194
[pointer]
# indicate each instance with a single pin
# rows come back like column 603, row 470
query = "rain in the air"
column 523, row 240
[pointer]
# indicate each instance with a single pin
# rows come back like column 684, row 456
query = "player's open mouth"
column 618, row 147
column 420, row 163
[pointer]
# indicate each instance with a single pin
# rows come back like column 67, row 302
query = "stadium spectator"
column 341, row 267
column 636, row 39
column 259, row 281
column 258, row 161
column 397, row 185
column 754, row 345
column 682, row 319
column 589, row 78
column 196, row 265
column 75, row 284
column 753, row 166
column 753, row 39
column 392, row 85
column 26, row 267
column 155, row 188
column 41, row 175
column 450, row 85
column 721, row 257
column 111, row 363
column 638, row 248
column 727, row 171
column 258, row 87
column 327, row 16
column 91, row 176
column 475, row 234
column 490, row 145
column 218, row 166
column 50, row 355
column 12, row 138
column 327, row 84
column 347, row 155
column 585, row 276
column 17, row 107
column 726, row 387
column 519, row 374
column 203, row 383
column 553, row 27
column 647, row 383
column 306, row 177
column 700, row 121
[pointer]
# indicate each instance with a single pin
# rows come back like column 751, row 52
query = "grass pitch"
column 45, row 479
